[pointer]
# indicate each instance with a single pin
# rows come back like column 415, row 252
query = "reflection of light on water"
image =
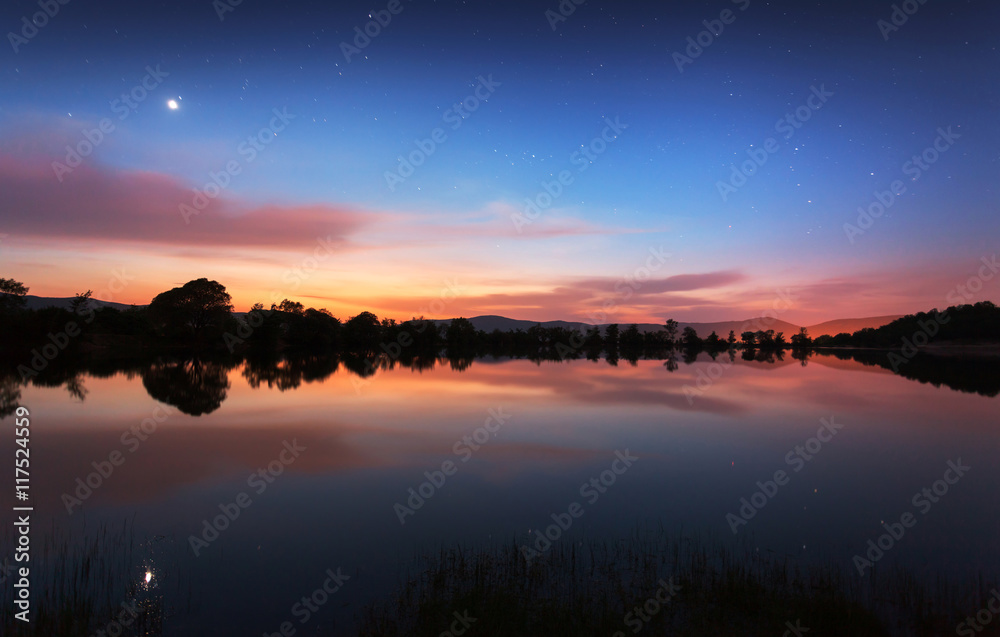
column 149, row 577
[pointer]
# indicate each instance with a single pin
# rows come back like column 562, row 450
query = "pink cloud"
column 99, row 203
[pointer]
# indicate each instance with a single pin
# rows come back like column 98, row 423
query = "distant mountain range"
column 722, row 328
column 489, row 323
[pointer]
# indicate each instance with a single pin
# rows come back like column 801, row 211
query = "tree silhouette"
column 460, row 336
column 713, row 343
column 80, row 304
column 11, row 295
column 611, row 339
column 631, row 339
column 363, row 332
column 671, row 327
column 293, row 307
column 198, row 309
column 690, row 338
column 801, row 340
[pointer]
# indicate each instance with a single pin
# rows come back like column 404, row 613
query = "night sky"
column 498, row 101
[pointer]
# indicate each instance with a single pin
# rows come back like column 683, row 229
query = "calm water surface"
column 365, row 442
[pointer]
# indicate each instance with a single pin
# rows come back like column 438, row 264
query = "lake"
column 296, row 474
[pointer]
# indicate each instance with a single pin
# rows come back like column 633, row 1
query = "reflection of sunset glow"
column 402, row 418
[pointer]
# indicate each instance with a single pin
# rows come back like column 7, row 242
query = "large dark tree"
column 198, row 309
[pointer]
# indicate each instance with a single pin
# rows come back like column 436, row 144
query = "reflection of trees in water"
column 801, row 355
column 461, row 363
column 288, row 372
column 763, row 355
column 422, row 362
column 76, row 388
column 194, row 387
column 363, row 366
column 671, row 362
column 974, row 375
column 10, row 394
column 198, row 386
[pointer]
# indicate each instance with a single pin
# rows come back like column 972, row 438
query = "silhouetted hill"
column 39, row 302
column 492, row 322
column 850, row 326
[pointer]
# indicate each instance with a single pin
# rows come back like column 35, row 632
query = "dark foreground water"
column 291, row 477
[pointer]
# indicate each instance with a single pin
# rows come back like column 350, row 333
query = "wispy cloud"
column 99, row 203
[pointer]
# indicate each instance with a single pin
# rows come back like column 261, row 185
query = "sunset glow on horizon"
column 515, row 179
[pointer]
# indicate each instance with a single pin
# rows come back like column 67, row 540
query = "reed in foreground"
column 657, row 585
